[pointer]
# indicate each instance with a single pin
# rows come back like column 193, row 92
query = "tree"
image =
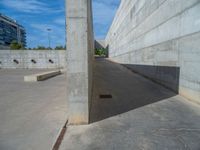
column 41, row 48
column 60, row 48
column 100, row 52
column 15, row 45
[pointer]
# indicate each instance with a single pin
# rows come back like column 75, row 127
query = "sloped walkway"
column 141, row 115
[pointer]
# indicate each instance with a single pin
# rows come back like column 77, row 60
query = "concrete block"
column 41, row 76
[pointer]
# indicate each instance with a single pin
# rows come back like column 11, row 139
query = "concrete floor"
column 141, row 115
column 31, row 114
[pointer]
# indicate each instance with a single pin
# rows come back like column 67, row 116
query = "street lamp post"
column 49, row 38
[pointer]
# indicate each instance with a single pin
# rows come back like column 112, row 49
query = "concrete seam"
column 140, row 22
column 157, row 44
column 115, row 17
column 168, row 19
column 143, row 20
column 160, row 23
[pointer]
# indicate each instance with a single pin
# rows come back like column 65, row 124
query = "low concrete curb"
column 42, row 76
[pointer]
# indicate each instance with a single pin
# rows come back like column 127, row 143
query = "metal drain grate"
column 105, row 96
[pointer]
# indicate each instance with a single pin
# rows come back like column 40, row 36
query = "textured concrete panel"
column 189, row 59
column 80, row 52
column 29, row 59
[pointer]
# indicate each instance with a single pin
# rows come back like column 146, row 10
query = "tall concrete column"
column 80, row 47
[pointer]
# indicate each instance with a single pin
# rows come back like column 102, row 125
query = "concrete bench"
column 42, row 76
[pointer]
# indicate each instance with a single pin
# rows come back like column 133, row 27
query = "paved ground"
column 141, row 115
column 31, row 114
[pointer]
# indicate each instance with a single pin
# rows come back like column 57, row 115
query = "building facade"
column 10, row 31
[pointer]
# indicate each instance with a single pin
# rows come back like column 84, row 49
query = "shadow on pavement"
column 117, row 90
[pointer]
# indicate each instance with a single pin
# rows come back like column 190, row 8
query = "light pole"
column 49, row 38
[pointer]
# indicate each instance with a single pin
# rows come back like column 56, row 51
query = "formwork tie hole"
column 16, row 61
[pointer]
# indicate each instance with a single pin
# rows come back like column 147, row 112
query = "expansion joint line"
column 60, row 137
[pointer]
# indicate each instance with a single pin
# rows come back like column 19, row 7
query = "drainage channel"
column 107, row 96
column 60, row 137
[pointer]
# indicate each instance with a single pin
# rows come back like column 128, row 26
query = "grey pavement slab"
column 31, row 114
column 141, row 115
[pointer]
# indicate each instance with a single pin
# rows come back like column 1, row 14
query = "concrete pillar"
column 80, row 47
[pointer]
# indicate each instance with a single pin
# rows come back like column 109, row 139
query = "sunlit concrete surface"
column 31, row 114
column 80, row 51
column 141, row 115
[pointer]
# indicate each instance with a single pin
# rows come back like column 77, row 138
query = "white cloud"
column 29, row 6
column 103, row 13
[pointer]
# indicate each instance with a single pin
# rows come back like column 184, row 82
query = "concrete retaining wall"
column 80, row 51
column 29, row 59
column 99, row 44
column 161, row 40
column 4, row 47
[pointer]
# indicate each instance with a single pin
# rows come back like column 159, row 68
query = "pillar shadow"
column 117, row 90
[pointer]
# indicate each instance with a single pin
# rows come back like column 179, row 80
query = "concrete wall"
column 29, row 59
column 100, row 44
column 4, row 47
column 161, row 40
column 80, row 51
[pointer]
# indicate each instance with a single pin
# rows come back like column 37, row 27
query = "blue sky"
column 38, row 15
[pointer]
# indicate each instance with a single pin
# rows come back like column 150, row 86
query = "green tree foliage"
column 100, row 52
column 15, row 45
column 48, row 48
column 39, row 47
column 60, row 48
